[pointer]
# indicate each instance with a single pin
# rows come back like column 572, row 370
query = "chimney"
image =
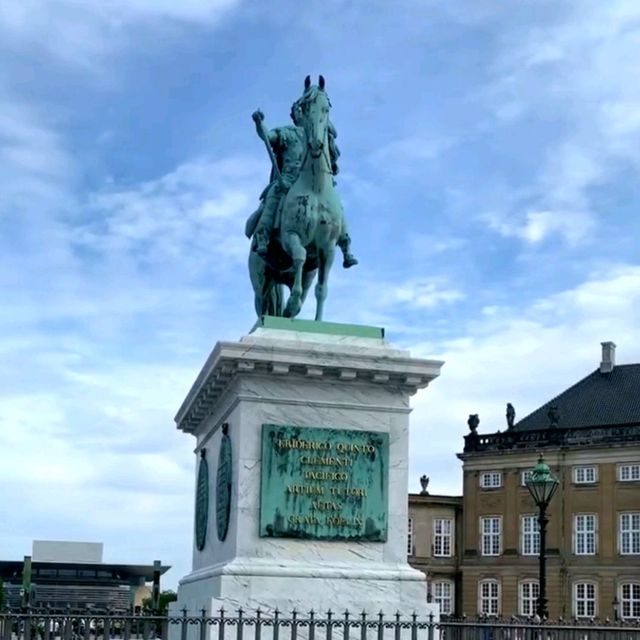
column 608, row 357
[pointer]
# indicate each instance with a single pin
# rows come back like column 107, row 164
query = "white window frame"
column 490, row 479
column 524, row 476
column 629, row 533
column 528, row 602
column 410, row 548
column 632, row 602
column 584, row 600
column 438, row 589
column 489, row 535
column 585, row 474
column 629, row 469
column 582, row 533
column 490, row 599
column 443, row 539
column 529, row 535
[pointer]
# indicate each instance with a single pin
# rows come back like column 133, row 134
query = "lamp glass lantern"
column 542, row 484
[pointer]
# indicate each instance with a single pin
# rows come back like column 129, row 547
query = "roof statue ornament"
column 300, row 220
column 473, row 422
column 424, row 483
column 554, row 416
column 511, row 415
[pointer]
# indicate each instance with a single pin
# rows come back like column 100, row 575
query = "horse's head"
column 312, row 113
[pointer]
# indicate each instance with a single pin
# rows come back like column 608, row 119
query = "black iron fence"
column 43, row 625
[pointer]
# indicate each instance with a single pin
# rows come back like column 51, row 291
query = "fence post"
column 363, row 627
column 329, row 625
column 258, row 634
column 203, row 624
column 430, row 626
column 27, row 624
column 183, row 623
column 240, row 629
column 221, row 625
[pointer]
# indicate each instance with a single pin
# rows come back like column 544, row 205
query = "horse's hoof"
column 292, row 309
column 349, row 261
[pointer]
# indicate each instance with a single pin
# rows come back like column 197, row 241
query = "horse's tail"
column 268, row 294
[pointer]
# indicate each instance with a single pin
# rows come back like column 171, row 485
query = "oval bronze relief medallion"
column 223, row 484
column 202, row 501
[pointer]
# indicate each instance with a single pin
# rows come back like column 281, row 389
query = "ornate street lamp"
column 542, row 484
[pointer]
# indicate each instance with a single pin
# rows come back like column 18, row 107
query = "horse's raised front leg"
column 293, row 246
column 322, row 287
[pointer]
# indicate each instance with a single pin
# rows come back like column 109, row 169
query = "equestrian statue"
column 300, row 220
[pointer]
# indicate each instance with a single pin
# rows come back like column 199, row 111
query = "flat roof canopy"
column 9, row 568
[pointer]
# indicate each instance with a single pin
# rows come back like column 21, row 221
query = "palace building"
column 434, row 540
column 590, row 437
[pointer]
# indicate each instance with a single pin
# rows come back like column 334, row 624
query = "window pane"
column 443, row 595
column 585, row 599
column 530, row 535
column 490, row 597
column 529, row 592
column 630, row 533
column 442, row 537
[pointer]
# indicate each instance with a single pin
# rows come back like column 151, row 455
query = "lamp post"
column 542, row 484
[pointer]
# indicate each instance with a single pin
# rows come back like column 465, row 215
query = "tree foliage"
column 166, row 597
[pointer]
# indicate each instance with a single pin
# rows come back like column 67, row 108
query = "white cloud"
column 424, row 293
column 80, row 34
column 195, row 213
column 538, row 226
column 417, row 147
column 35, row 166
column 577, row 72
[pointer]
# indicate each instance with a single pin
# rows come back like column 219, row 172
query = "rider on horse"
column 289, row 147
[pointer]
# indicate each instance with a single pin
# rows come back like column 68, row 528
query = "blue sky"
column 489, row 172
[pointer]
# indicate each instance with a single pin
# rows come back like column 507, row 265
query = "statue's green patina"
column 300, row 219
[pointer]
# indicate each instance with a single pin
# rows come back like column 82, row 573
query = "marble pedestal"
column 312, row 375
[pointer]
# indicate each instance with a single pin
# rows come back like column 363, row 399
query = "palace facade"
column 590, row 437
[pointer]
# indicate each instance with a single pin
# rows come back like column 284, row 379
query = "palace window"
column 584, row 599
column 585, row 475
column 410, row 537
column 630, row 533
column 491, row 479
column 489, row 597
column 528, row 597
column 491, row 535
column 524, row 476
column 443, row 594
column 442, row 528
column 630, row 600
column 584, row 534
column 530, row 536
column 629, row 472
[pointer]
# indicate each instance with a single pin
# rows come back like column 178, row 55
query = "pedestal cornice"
column 376, row 363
